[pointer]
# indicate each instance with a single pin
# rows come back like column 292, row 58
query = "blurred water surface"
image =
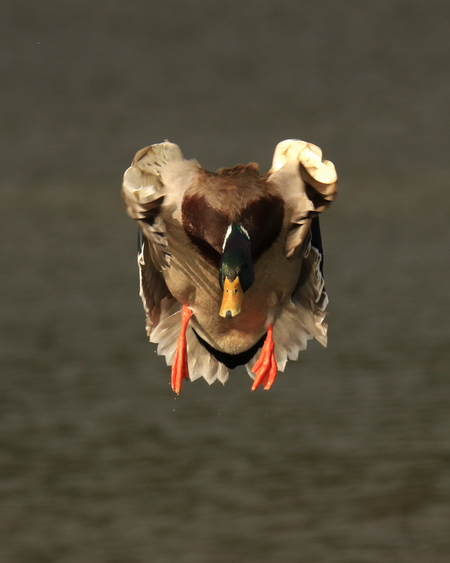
column 346, row 459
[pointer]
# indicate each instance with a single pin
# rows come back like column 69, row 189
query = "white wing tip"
column 307, row 154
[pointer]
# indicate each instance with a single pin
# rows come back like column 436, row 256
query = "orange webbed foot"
column 180, row 369
column 265, row 368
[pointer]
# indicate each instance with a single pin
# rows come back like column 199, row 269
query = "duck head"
column 236, row 272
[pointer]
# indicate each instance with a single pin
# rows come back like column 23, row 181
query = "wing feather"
column 310, row 294
column 308, row 185
column 156, row 297
column 144, row 194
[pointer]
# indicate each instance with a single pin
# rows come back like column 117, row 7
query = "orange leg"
column 265, row 369
column 180, row 368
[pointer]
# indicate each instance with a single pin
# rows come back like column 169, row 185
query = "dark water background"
column 347, row 458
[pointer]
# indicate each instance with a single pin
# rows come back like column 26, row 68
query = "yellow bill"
column 232, row 298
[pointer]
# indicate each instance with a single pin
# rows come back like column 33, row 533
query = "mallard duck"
column 230, row 262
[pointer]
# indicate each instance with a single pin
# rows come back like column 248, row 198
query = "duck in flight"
column 230, row 262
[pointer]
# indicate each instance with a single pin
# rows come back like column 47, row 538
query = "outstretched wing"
column 144, row 194
column 308, row 185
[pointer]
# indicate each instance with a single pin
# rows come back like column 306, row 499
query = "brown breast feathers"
column 240, row 195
